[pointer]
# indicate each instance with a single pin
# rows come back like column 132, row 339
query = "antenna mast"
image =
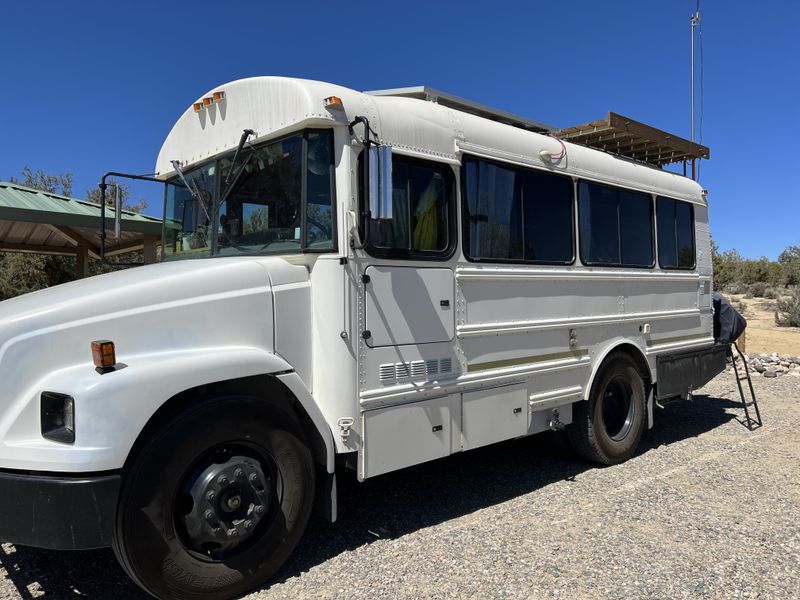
column 695, row 19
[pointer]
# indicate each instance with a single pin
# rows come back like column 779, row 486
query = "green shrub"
column 735, row 288
column 742, row 306
column 757, row 289
column 788, row 313
column 771, row 294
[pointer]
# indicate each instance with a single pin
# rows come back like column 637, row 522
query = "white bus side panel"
column 405, row 435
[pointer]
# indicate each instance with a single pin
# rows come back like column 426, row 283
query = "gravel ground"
column 706, row 509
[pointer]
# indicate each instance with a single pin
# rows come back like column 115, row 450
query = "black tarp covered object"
column 729, row 324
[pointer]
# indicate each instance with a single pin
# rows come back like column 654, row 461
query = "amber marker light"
column 198, row 106
column 334, row 102
column 218, row 96
column 207, row 101
column 103, row 354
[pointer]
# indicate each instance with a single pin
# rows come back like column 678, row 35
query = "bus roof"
column 409, row 121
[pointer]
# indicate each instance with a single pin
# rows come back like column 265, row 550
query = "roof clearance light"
column 198, row 106
column 103, row 354
column 334, row 102
column 218, row 96
column 207, row 101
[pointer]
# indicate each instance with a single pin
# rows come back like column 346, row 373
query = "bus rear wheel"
column 215, row 501
column 607, row 428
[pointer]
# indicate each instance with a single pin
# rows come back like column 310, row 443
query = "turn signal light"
column 103, row 354
column 207, row 101
column 218, row 96
column 198, row 106
column 334, row 102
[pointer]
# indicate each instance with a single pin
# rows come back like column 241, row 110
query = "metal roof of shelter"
column 36, row 221
column 423, row 92
column 624, row 136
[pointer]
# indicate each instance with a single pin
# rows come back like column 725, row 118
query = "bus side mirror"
column 380, row 182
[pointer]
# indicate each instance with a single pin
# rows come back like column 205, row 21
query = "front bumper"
column 56, row 511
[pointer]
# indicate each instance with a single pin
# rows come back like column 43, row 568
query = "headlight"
column 58, row 417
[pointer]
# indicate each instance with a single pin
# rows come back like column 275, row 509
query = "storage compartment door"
column 409, row 305
column 401, row 436
column 494, row 415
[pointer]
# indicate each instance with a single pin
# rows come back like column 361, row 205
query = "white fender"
column 112, row 409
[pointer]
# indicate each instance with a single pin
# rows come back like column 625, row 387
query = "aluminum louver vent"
column 418, row 369
column 390, row 373
column 387, row 373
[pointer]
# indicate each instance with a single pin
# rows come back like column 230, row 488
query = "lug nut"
column 210, row 496
column 222, row 480
column 248, row 524
column 253, row 478
column 239, row 474
column 209, row 514
column 232, row 533
column 260, row 510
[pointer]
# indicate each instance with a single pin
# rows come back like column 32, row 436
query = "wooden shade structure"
column 624, row 136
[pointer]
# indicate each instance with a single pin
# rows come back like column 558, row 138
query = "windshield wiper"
column 230, row 182
column 192, row 187
column 231, row 179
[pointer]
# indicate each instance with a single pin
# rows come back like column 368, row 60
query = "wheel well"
column 257, row 385
column 638, row 358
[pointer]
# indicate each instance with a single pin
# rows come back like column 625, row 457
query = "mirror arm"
column 118, row 216
column 366, row 215
column 367, row 130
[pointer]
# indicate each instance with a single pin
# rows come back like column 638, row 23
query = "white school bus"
column 349, row 280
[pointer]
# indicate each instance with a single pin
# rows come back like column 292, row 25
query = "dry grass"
column 763, row 335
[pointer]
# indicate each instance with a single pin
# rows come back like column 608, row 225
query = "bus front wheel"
column 607, row 428
column 215, row 501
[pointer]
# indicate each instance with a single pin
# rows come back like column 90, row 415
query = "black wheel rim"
column 226, row 501
column 618, row 408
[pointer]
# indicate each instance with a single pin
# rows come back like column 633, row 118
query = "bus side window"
column 423, row 220
column 517, row 215
column 616, row 226
column 676, row 246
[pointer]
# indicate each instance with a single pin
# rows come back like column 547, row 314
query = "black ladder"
column 750, row 423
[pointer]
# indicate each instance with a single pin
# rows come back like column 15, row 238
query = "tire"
column 225, row 464
column 607, row 428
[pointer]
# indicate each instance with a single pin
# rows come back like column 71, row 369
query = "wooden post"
column 149, row 250
column 82, row 262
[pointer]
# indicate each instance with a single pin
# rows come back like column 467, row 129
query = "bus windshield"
column 280, row 202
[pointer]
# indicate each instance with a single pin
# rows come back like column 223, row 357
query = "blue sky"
column 94, row 86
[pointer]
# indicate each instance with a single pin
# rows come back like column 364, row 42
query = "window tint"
column 547, row 210
column 320, row 226
column 615, row 226
column 423, row 215
column 494, row 224
column 517, row 214
column 676, row 248
column 635, row 223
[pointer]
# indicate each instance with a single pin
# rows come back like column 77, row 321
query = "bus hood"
column 192, row 304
